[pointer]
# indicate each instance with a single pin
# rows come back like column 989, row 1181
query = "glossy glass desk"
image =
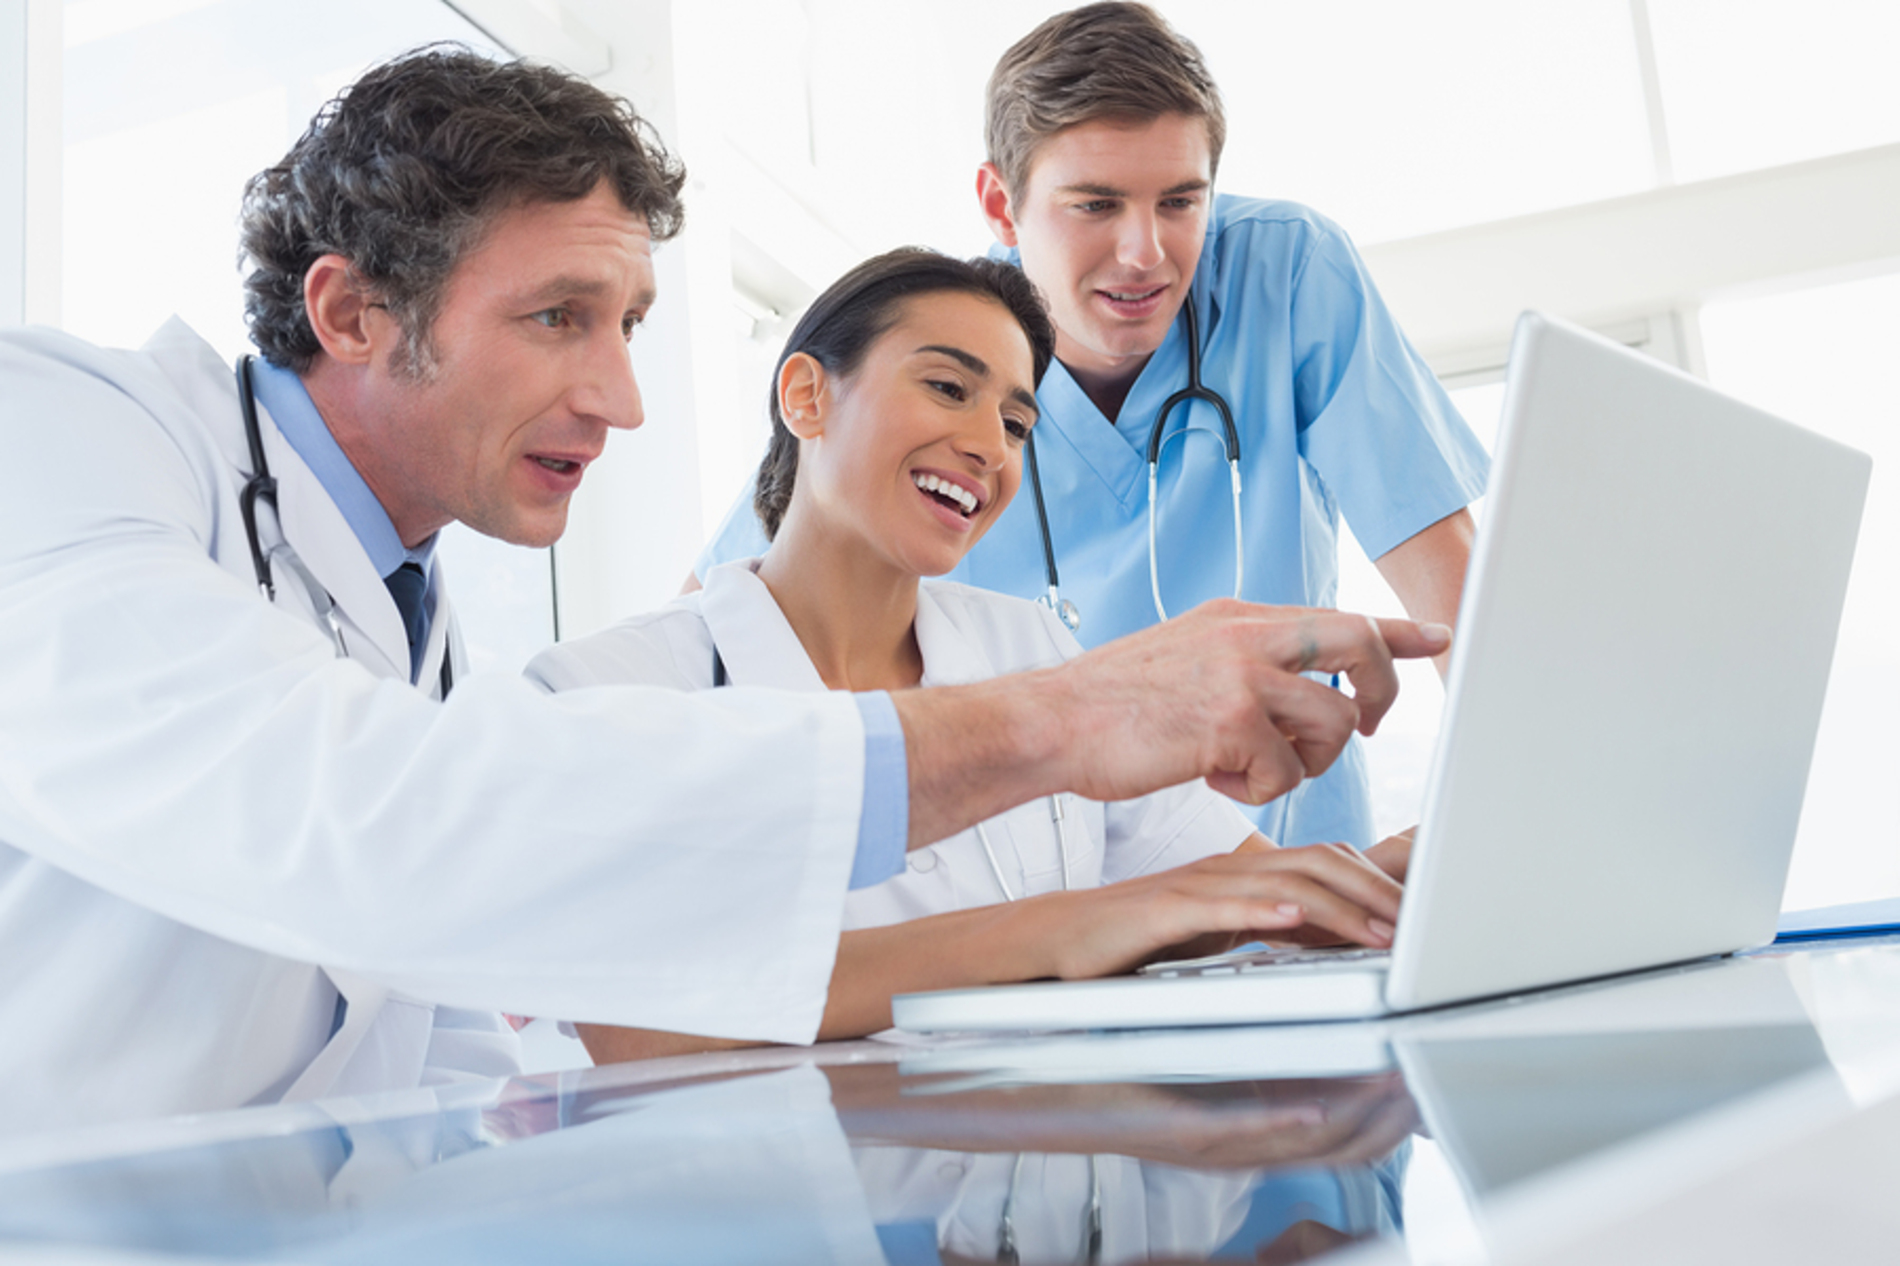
column 1737, row 1111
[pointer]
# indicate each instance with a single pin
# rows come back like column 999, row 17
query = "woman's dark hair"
column 402, row 172
column 842, row 323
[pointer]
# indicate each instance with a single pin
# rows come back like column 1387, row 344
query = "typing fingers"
column 1337, row 889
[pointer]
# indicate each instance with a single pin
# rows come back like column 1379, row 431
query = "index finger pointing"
column 1408, row 639
column 1356, row 646
column 1364, row 649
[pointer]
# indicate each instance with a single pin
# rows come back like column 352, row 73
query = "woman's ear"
column 801, row 395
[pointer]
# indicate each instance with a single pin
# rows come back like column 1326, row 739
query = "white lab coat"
column 965, row 635
column 209, row 821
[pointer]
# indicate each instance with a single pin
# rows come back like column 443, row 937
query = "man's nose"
column 612, row 394
column 1139, row 245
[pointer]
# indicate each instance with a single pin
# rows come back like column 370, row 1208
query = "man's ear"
column 992, row 195
column 344, row 315
column 801, row 395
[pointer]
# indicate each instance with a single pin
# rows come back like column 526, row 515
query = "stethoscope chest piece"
column 1064, row 609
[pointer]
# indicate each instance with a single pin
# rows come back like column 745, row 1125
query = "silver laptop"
column 1641, row 658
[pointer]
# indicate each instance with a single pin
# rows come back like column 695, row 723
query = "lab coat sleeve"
column 623, row 855
column 1376, row 426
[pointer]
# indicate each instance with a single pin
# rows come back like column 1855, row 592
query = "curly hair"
column 1117, row 60
column 403, row 171
column 856, row 310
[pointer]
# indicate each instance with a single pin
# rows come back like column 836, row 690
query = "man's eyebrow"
column 978, row 366
column 577, row 287
column 1110, row 191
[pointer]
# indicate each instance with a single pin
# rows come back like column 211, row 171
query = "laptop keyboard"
column 1241, row 962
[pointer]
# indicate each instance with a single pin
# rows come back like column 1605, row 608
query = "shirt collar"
column 282, row 393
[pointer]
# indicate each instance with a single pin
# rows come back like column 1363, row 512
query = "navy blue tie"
column 407, row 585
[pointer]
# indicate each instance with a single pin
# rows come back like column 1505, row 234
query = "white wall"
column 29, row 161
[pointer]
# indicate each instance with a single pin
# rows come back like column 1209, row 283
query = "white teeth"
column 943, row 487
column 554, row 463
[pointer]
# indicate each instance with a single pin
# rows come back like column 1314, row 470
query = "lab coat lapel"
column 445, row 638
column 950, row 657
column 751, row 633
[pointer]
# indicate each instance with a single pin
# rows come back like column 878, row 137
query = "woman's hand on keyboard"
column 1393, row 854
column 1319, row 894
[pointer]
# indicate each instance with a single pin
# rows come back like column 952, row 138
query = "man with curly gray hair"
column 257, row 841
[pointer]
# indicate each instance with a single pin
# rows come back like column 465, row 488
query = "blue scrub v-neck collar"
column 1117, row 451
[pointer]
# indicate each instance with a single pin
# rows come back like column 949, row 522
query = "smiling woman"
column 900, row 409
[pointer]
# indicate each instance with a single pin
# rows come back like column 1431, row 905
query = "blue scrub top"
column 1336, row 412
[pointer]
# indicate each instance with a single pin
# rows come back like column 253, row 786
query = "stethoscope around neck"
column 262, row 486
column 1158, row 438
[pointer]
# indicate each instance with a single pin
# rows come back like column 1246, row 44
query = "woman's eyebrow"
column 980, row 367
column 975, row 364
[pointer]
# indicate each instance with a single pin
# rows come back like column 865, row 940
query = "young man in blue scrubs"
column 1105, row 134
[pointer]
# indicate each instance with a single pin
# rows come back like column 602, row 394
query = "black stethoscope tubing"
column 1195, row 390
column 262, row 486
column 1157, row 436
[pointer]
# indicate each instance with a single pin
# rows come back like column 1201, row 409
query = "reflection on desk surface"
column 889, row 1156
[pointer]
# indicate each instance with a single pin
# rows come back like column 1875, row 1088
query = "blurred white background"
column 1712, row 180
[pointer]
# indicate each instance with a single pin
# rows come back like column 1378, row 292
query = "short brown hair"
column 1119, row 60
column 403, row 172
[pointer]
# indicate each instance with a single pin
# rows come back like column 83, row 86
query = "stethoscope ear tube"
column 1194, row 390
column 1157, row 436
column 261, row 484
column 1053, row 599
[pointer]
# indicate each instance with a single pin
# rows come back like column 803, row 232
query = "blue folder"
column 1859, row 918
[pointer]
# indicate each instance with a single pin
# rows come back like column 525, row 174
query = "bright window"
column 1398, row 118
column 1823, row 358
column 1756, row 83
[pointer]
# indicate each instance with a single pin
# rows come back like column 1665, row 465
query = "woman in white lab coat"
column 900, row 410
